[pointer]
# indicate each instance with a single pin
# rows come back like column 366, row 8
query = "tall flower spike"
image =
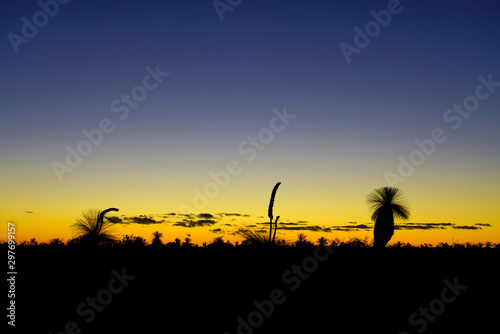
column 270, row 212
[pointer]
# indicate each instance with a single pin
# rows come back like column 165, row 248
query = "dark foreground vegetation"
column 219, row 288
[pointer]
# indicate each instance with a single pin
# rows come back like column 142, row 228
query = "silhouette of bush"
column 219, row 242
column 56, row 242
column 187, row 243
column 302, row 241
column 355, row 242
column 400, row 244
column 132, row 240
column 175, row 244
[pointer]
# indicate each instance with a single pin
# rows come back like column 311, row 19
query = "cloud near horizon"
column 302, row 225
column 199, row 220
column 207, row 219
column 195, row 223
column 440, row 226
column 141, row 219
column 223, row 214
column 217, row 231
column 354, row 226
column 187, row 220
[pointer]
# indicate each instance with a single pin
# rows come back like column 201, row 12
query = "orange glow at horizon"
column 30, row 226
column 47, row 209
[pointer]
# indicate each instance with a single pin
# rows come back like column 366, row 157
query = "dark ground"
column 205, row 290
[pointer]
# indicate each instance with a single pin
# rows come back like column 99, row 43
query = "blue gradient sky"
column 353, row 120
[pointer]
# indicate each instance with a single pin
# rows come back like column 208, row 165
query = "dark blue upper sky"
column 263, row 54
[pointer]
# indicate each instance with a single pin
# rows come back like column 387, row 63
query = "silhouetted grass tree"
column 302, row 241
column 322, row 241
column 386, row 203
column 92, row 228
column 156, row 242
column 252, row 236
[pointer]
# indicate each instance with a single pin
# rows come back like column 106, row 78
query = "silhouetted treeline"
column 182, row 287
column 301, row 241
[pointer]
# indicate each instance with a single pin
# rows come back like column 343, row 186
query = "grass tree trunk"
column 384, row 228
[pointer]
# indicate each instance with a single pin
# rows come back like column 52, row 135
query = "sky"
column 185, row 114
